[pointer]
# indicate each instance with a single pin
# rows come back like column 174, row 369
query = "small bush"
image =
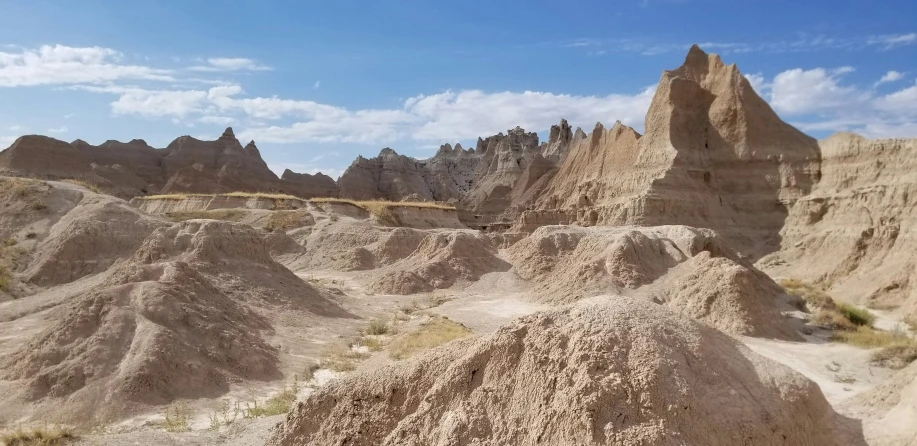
column 377, row 327
column 9, row 242
column 832, row 320
column 39, row 436
column 283, row 221
column 816, row 298
column 178, row 418
column 857, row 316
column 437, row 331
column 4, row 279
column 31, row 235
column 372, row 344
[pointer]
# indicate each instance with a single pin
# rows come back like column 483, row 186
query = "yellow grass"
column 436, row 332
column 283, row 221
column 93, row 187
column 37, row 436
column 184, row 196
column 341, row 358
column 376, row 204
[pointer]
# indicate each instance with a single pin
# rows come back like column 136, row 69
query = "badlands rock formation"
column 134, row 169
column 179, row 320
column 888, row 410
column 854, row 232
column 691, row 270
column 607, row 371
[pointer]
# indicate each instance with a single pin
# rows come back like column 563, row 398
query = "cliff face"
column 854, row 232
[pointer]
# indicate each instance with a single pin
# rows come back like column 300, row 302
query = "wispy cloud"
column 230, row 64
column 62, row 65
column 15, row 128
column 890, row 41
column 62, row 129
column 800, row 45
column 891, row 76
column 316, row 85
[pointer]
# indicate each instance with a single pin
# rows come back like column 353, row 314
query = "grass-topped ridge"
column 185, row 196
column 372, row 204
column 368, row 205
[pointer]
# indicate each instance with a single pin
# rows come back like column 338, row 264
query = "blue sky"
column 317, row 83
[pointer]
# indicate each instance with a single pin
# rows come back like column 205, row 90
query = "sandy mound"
column 606, row 371
column 442, row 259
column 179, row 320
column 689, row 269
column 888, row 411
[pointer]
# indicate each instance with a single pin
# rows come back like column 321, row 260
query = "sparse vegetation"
column 896, row 356
column 277, row 404
column 38, row 436
column 177, row 418
column 283, row 221
column 342, row 359
column 377, row 327
column 373, row 344
column 382, row 209
column 856, row 316
column 182, row 196
column 431, row 300
column 31, row 235
column 815, row 297
column 437, row 331
column 4, row 279
column 214, row 214
column 88, row 185
column 9, row 242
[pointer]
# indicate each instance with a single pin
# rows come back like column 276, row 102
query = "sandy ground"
column 497, row 298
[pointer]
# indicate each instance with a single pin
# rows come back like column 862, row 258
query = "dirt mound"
column 96, row 233
column 689, row 269
column 442, row 259
column 888, row 410
column 180, row 319
column 606, row 371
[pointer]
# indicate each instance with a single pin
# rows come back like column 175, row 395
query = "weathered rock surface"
column 691, row 270
column 855, row 231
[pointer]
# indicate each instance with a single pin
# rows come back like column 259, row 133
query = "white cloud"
column 62, row 129
column 69, row 115
column 890, row 41
column 901, row 101
column 891, row 76
column 799, row 91
column 230, row 64
column 15, row 128
column 217, row 120
column 316, row 85
column 61, row 65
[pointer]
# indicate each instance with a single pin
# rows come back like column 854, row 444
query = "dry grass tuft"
column 377, row 327
column 88, row 185
column 283, row 221
column 38, row 436
column 342, row 359
column 277, row 405
column 177, row 418
column 439, row 330
column 183, row 196
column 815, row 297
column 896, row 356
column 214, row 214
